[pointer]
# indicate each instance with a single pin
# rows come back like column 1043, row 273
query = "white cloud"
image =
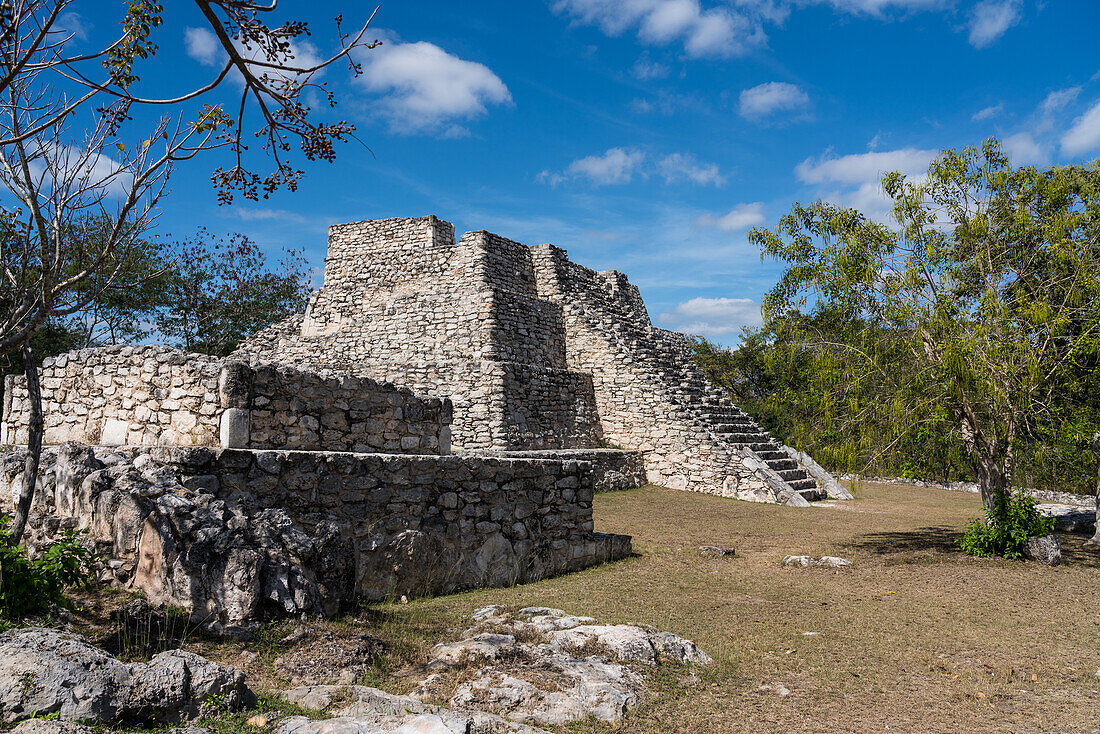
column 1084, row 135
column 645, row 69
column 856, row 180
column 764, row 100
column 990, row 19
column 679, row 166
column 713, row 317
column 424, row 88
column 879, row 7
column 1059, row 99
column 616, row 166
column 72, row 24
column 261, row 215
column 77, row 169
column 861, row 168
column 716, row 31
column 741, row 216
column 622, row 165
column 988, row 112
column 1024, row 150
column 202, row 45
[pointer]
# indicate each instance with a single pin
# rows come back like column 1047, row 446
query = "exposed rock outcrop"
column 182, row 545
column 46, row 671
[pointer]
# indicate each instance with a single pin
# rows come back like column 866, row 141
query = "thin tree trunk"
column 34, row 447
column 992, row 483
column 1095, row 539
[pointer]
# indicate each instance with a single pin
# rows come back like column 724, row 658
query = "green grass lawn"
column 913, row 637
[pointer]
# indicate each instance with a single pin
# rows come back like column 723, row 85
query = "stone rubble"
column 715, row 551
column 827, row 561
column 1046, row 549
column 509, row 673
column 544, row 667
column 47, row 671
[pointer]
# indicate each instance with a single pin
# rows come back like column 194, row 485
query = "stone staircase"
column 710, row 408
column 698, row 400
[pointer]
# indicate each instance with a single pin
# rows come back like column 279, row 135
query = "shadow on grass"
column 939, row 539
column 1075, row 552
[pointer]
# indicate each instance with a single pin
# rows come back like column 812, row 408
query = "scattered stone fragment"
column 47, row 726
column 828, row 561
column 47, row 671
column 566, row 668
column 1045, row 549
column 326, row 659
column 711, row 550
column 778, row 689
column 484, row 647
column 364, row 710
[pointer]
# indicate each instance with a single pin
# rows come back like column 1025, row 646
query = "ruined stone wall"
column 612, row 469
column 117, row 395
column 412, row 524
column 461, row 320
column 647, row 388
column 157, row 396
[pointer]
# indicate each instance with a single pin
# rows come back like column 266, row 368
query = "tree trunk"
column 993, row 484
column 34, row 447
column 1095, row 539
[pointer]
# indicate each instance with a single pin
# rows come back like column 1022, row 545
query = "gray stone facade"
column 536, row 352
column 157, row 396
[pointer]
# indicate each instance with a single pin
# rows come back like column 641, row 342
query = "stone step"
column 791, row 475
column 812, row 494
column 779, row 464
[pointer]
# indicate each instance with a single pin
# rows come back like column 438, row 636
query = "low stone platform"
column 1070, row 518
column 612, row 469
column 228, row 533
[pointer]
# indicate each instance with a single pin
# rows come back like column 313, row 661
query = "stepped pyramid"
column 536, row 353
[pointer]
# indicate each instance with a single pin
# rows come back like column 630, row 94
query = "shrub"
column 28, row 586
column 1008, row 523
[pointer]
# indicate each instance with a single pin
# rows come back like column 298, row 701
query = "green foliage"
column 28, row 586
column 971, row 324
column 1010, row 520
column 220, row 290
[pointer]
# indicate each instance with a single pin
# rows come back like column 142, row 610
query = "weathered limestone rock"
column 711, row 550
column 1045, row 549
column 827, row 561
column 50, row 726
column 364, row 710
column 568, row 668
column 47, row 671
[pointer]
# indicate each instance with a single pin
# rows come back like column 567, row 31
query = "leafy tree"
column 219, row 291
column 987, row 290
column 117, row 164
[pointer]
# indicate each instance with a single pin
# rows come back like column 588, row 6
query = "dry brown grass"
column 913, row 637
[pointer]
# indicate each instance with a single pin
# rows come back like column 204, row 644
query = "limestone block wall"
column 636, row 379
column 157, row 396
column 403, row 302
column 117, row 395
column 414, row 524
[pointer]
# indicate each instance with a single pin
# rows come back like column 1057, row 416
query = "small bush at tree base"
column 1009, row 521
column 28, row 586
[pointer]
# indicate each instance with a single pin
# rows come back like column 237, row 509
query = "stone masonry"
column 536, row 353
column 157, row 396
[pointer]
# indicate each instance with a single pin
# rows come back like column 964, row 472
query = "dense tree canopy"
column 978, row 309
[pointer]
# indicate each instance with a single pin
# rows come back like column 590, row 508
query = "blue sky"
column 648, row 135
